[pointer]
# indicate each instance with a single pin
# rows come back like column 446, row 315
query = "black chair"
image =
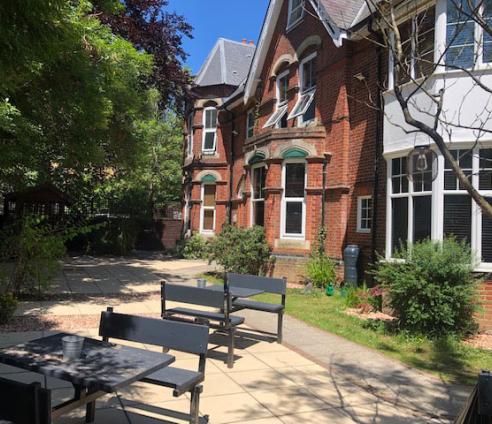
column 221, row 320
column 22, row 403
column 268, row 285
column 184, row 337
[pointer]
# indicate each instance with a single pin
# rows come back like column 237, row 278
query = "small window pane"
column 459, row 37
column 400, row 224
column 250, row 123
column 294, row 179
column 485, row 174
column 283, row 88
column 210, row 118
column 208, row 219
column 209, row 141
column 486, row 236
column 209, row 195
column 457, row 216
column 310, row 112
column 422, row 207
column 258, row 182
column 293, row 218
column 259, row 213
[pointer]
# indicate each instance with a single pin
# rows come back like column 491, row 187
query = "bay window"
column 209, row 130
column 467, row 42
column 411, row 206
column 207, row 218
column 305, row 106
column 293, row 199
column 258, row 194
column 419, row 210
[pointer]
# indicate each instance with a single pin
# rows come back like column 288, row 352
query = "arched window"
column 258, row 180
column 209, row 130
column 207, row 213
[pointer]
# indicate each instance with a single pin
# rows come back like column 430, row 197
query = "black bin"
column 350, row 259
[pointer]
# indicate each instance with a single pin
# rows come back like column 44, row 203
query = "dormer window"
column 305, row 106
column 296, row 12
column 279, row 117
column 209, row 130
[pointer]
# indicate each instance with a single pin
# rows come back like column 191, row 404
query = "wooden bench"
column 220, row 318
column 22, row 403
column 180, row 336
column 268, row 285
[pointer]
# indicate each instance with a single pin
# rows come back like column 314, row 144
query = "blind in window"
column 457, row 216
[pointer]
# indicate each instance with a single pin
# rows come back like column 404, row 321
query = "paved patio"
column 314, row 377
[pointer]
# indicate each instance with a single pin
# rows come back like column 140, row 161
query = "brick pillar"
column 273, row 199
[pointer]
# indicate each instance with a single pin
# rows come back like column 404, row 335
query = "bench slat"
column 268, row 285
column 215, row 316
column 259, row 306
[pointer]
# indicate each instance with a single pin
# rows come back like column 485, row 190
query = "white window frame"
column 360, row 228
column 283, row 208
column 438, row 192
column 253, row 200
column 280, row 107
column 249, row 127
column 303, row 91
column 189, row 142
column 291, row 11
column 203, row 208
column 208, row 131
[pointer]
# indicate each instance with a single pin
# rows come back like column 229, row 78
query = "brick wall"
column 484, row 316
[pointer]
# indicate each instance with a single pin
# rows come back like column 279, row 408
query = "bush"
column 196, row 247
column 8, row 305
column 432, row 289
column 36, row 248
column 321, row 270
column 241, row 250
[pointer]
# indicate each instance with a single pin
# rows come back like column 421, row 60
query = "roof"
column 45, row 192
column 342, row 12
column 228, row 63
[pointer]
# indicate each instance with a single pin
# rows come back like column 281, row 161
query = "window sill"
column 363, row 231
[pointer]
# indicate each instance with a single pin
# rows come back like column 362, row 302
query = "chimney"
column 245, row 41
column 251, row 43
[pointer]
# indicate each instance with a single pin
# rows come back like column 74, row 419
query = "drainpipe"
column 379, row 136
column 323, row 199
column 231, row 165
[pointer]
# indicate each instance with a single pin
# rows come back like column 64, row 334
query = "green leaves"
column 433, row 289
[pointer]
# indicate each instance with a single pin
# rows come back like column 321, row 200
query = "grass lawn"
column 447, row 357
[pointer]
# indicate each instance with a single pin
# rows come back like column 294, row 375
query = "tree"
column 147, row 25
column 78, row 91
column 414, row 64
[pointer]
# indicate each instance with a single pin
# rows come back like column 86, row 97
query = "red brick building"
column 291, row 135
column 294, row 144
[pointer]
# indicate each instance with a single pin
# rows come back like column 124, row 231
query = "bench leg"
column 230, row 349
column 195, row 405
column 280, row 327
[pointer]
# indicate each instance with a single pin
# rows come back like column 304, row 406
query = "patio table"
column 103, row 367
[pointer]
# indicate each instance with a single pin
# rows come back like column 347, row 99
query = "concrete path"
column 314, row 377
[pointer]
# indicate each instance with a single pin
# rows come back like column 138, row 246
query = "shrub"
column 241, row 250
column 320, row 270
column 8, row 302
column 36, row 248
column 113, row 236
column 432, row 289
column 196, row 247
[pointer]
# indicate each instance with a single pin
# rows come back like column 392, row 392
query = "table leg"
column 90, row 412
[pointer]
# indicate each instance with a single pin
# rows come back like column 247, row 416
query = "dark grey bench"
column 268, row 285
column 184, row 337
column 220, row 318
column 22, row 403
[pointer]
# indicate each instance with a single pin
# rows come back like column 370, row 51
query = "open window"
column 305, row 106
column 296, row 12
column 279, row 117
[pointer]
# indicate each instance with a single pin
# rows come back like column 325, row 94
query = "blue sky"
column 211, row 19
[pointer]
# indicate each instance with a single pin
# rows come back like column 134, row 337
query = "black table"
column 237, row 291
column 103, row 367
